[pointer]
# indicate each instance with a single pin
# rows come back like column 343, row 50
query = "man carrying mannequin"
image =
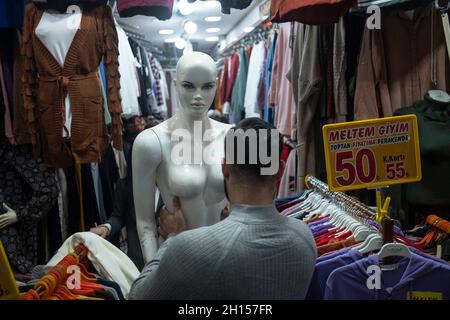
column 255, row 253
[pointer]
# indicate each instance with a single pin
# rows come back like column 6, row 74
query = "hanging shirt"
column 397, row 68
column 129, row 90
column 323, row 270
column 415, row 278
column 238, row 95
column 287, row 184
column 57, row 31
column 280, row 94
column 255, row 68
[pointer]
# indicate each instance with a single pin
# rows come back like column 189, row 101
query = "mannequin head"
column 196, row 83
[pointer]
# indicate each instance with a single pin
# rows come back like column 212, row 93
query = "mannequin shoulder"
column 147, row 147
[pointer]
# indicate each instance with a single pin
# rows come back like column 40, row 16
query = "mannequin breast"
column 199, row 187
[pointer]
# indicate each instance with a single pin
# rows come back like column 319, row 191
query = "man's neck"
column 251, row 197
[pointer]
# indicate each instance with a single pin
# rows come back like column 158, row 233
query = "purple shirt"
column 325, row 268
column 415, row 278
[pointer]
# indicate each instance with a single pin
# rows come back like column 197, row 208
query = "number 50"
column 347, row 165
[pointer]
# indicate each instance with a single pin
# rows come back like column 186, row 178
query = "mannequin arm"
column 146, row 158
column 7, row 218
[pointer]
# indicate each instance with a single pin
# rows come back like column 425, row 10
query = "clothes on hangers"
column 129, row 90
column 254, row 75
column 238, row 95
column 107, row 259
column 281, row 90
column 397, row 68
column 415, row 278
column 434, row 137
column 29, row 187
column 77, row 78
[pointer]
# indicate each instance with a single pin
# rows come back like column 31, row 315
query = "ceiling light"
column 180, row 43
column 170, row 40
column 190, row 27
column 249, row 29
column 185, row 7
column 213, row 19
column 211, row 4
column 212, row 39
column 212, row 30
column 166, row 31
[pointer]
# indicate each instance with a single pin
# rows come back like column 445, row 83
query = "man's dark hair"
column 252, row 133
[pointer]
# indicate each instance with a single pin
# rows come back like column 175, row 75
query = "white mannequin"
column 200, row 187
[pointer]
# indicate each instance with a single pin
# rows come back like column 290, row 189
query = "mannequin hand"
column 7, row 218
column 172, row 222
column 102, row 231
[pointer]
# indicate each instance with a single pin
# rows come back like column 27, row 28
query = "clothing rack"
column 80, row 251
column 260, row 33
column 354, row 207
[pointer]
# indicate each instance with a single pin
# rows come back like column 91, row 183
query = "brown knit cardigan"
column 46, row 84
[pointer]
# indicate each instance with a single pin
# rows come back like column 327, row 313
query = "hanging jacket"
column 46, row 84
column 28, row 187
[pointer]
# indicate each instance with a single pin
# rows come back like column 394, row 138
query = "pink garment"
column 7, row 116
column 280, row 93
column 287, row 184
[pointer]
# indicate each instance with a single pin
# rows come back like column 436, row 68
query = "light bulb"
column 180, row 43
column 213, row 19
column 190, row 27
column 212, row 39
column 212, row 30
column 166, row 31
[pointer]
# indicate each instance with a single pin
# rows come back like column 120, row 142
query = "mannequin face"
column 196, row 83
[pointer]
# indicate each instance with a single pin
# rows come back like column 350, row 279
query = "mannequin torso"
column 199, row 185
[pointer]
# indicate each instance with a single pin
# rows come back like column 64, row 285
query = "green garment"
column 434, row 135
column 240, row 85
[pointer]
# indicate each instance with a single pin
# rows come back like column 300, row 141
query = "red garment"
column 313, row 12
column 284, row 156
column 223, row 82
column 230, row 80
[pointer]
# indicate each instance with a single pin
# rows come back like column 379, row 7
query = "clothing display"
column 29, row 187
column 107, row 259
column 431, row 193
column 398, row 68
column 82, row 80
column 77, row 78
column 345, row 253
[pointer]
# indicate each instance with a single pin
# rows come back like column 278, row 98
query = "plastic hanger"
column 372, row 243
column 394, row 250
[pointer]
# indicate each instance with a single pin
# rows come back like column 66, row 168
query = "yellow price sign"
column 372, row 153
column 8, row 288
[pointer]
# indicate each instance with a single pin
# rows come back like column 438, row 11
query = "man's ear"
column 225, row 169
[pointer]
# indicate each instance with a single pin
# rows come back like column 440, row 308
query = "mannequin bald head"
column 196, row 82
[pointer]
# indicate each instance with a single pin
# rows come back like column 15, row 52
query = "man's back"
column 253, row 254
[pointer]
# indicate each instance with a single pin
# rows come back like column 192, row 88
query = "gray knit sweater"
column 255, row 253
